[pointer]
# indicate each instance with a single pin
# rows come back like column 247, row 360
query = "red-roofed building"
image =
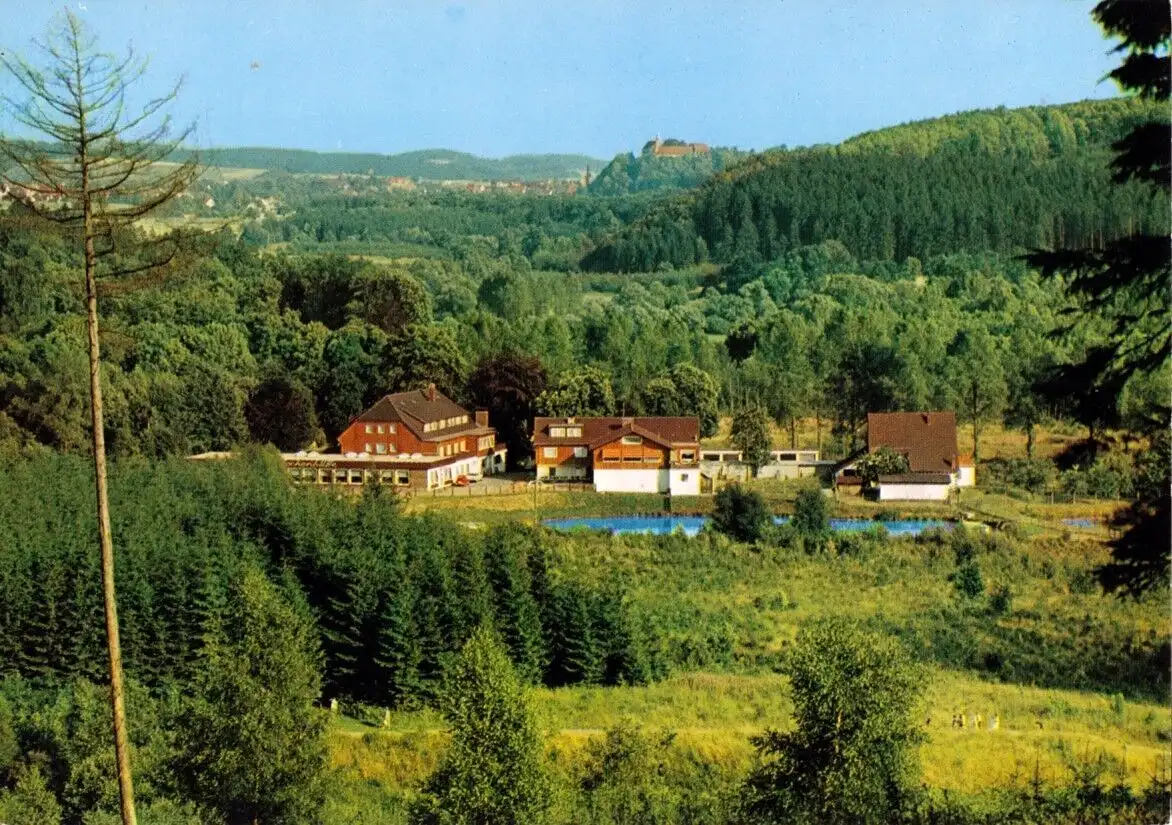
column 647, row 454
column 928, row 441
column 435, row 439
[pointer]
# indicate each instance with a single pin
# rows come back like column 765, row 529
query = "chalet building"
column 928, row 441
column 630, row 455
column 419, row 439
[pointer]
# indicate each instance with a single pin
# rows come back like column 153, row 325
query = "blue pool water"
column 691, row 525
column 1080, row 522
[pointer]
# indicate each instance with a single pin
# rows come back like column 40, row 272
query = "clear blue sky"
column 597, row 77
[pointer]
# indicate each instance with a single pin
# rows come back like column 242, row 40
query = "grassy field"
column 711, row 717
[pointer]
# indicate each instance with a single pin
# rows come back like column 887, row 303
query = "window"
column 366, row 448
column 687, row 455
column 632, row 459
column 787, row 457
column 573, row 432
column 557, row 432
column 380, row 429
column 549, row 452
column 580, row 452
column 380, row 448
column 391, row 429
column 355, row 476
column 632, row 439
column 683, row 476
column 650, row 459
column 369, row 428
column 463, row 419
column 463, row 445
column 402, row 477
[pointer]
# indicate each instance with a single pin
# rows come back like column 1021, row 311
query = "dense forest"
column 192, row 355
column 392, row 597
column 1001, row 181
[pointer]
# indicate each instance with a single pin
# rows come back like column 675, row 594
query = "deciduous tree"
column 852, row 756
column 750, row 434
column 492, row 774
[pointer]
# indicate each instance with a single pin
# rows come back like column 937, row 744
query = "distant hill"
column 429, row 164
column 999, row 180
column 668, row 164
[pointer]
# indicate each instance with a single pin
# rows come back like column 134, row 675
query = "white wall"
column 965, row 477
column 632, row 481
column 684, row 481
column 913, row 492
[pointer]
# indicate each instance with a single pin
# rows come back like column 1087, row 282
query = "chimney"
column 627, row 421
column 482, row 418
column 431, row 392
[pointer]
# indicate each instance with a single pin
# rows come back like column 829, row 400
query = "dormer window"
column 573, row 432
column 557, row 432
column 632, row 439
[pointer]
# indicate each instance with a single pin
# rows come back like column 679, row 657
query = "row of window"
column 380, row 429
column 454, row 448
column 565, row 432
column 313, row 475
column 582, row 452
column 552, row 452
column 444, row 423
column 632, row 459
column 380, row 448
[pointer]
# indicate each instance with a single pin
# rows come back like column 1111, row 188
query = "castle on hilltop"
column 675, row 149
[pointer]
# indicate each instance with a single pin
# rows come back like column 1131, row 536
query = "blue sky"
column 597, row 77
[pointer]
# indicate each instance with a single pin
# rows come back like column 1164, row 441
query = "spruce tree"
column 250, row 744
column 575, row 650
column 516, row 614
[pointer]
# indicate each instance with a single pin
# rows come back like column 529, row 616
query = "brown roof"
column 916, row 478
column 928, row 439
column 418, row 407
column 596, row 431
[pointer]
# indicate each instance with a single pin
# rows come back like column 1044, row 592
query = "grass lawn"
column 713, row 716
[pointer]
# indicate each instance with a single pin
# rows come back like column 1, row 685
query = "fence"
column 500, row 488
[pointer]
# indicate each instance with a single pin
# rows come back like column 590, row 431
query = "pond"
column 692, row 525
column 1081, row 522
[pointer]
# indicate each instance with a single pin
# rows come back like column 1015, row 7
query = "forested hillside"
column 998, row 181
column 430, row 164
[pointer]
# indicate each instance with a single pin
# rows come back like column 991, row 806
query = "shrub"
column 1001, row 601
column 740, row 513
column 968, row 581
column 811, row 520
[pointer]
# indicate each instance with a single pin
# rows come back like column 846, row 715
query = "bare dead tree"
column 97, row 165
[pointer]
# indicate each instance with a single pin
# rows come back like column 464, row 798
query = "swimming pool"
column 692, row 525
